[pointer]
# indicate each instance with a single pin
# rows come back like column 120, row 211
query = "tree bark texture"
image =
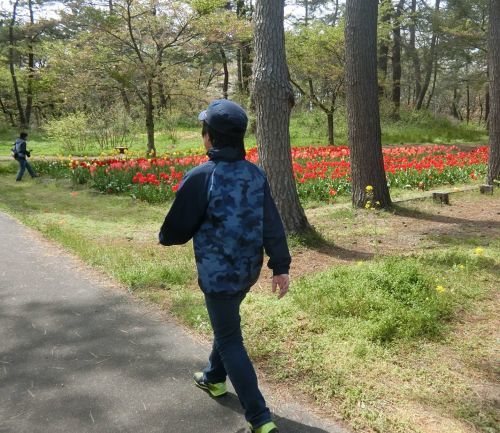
column 413, row 49
column 243, row 54
column 150, row 120
column 273, row 102
column 494, row 74
column 331, row 137
column 225, row 84
column 430, row 60
column 383, row 56
column 20, row 111
column 367, row 165
column 31, row 69
column 396, row 60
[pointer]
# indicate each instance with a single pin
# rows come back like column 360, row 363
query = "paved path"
column 77, row 356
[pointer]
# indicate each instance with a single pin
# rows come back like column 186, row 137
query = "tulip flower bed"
column 322, row 173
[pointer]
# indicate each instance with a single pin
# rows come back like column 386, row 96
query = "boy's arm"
column 275, row 243
column 187, row 211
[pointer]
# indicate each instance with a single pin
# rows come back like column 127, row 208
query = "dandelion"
column 479, row 251
column 440, row 289
column 369, row 188
column 368, row 204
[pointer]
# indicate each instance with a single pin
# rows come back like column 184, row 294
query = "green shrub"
column 72, row 132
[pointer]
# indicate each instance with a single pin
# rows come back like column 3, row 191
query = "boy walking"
column 225, row 205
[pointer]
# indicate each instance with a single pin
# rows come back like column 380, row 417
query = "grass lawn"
column 392, row 320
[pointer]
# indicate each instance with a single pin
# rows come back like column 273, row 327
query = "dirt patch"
column 412, row 227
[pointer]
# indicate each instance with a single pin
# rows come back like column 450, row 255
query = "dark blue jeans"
column 24, row 165
column 229, row 356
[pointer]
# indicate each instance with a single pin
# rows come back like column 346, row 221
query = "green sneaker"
column 214, row 389
column 268, row 427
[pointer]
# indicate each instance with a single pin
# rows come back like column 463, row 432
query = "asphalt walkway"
column 78, row 356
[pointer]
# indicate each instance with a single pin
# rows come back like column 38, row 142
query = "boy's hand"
column 282, row 281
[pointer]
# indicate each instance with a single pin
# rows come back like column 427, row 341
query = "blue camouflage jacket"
column 225, row 205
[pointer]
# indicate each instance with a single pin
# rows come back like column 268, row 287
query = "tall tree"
column 494, row 73
column 273, row 101
column 384, row 41
column 243, row 55
column 396, row 59
column 367, row 165
column 12, row 65
column 429, row 63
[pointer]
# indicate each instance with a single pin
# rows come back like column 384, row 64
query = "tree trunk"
column 331, row 139
column 431, row 94
column 31, row 69
column 367, row 165
column 22, row 119
column 161, row 95
column 383, row 56
column 430, row 61
column 273, row 102
column 454, row 106
column 467, row 89
column 413, row 49
column 487, row 100
column 494, row 72
column 150, row 122
column 335, row 13
column 396, row 60
column 243, row 55
column 225, row 85
column 125, row 100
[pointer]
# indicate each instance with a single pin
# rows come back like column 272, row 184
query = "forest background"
column 86, row 77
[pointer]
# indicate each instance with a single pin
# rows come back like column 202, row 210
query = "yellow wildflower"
column 440, row 289
column 369, row 188
column 461, row 266
column 479, row 251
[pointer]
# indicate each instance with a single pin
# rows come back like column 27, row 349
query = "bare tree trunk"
column 273, row 101
column 431, row 94
column 383, row 57
column 335, row 13
column 225, row 85
column 413, row 49
column 494, row 71
column 243, row 55
column 430, row 62
column 331, row 138
column 467, row 89
column 396, row 60
column 161, row 95
column 367, row 165
column 487, row 100
column 125, row 100
column 22, row 118
column 454, row 106
column 31, row 69
column 150, row 122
